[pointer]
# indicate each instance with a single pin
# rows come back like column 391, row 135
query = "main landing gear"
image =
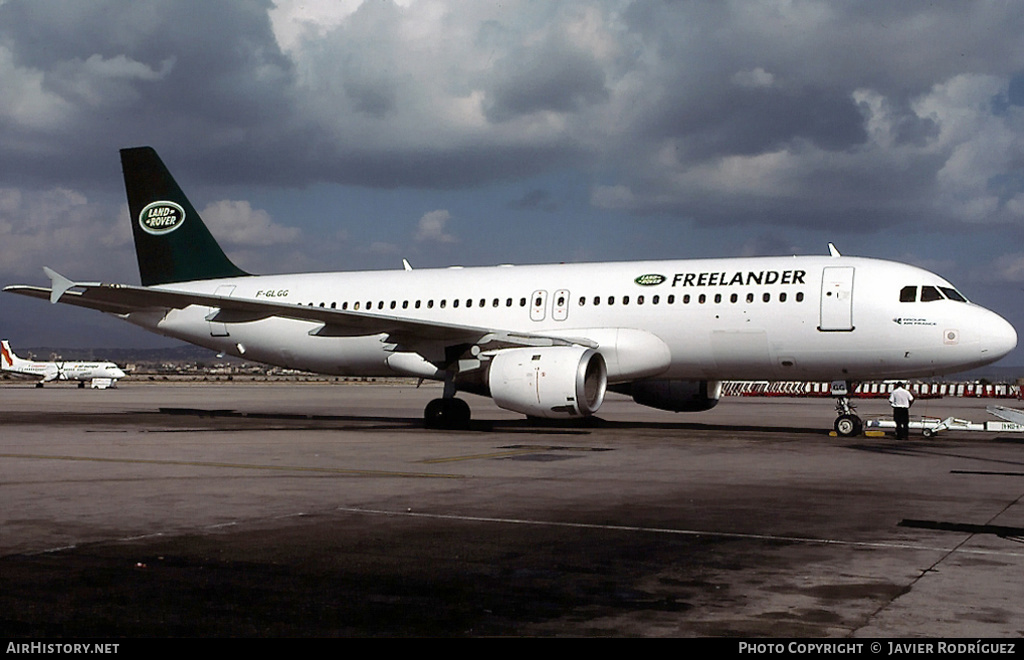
column 448, row 413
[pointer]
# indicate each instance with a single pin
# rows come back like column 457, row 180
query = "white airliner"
column 105, row 373
column 546, row 340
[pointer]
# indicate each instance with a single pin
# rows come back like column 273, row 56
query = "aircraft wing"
column 125, row 299
column 1009, row 414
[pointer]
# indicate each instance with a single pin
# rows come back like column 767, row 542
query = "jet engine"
column 675, row 395
column 552, row 381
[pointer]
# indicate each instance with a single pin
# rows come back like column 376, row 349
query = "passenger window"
column 455, row 303
column 782, row 297
column 701, row 298
column 733, row 298
column 625, row 300
column 356, row 307
column 597, row 300
column 766, row 297
column 655, row 299
column 686, row 299
column 718, row 298
column 583, row 301
column 672, row 299
column 611, row 300
column 522, row 302
column 908, row 294
column 800, row 296
column 930, row 294
column 750, row 297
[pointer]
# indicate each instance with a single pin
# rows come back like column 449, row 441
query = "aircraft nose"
column 999, row 337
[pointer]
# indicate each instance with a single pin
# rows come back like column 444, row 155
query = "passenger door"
column 837, row 299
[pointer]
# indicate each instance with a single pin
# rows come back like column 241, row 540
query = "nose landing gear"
column 848, row 423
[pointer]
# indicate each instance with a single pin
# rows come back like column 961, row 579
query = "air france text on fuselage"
column 740, row 278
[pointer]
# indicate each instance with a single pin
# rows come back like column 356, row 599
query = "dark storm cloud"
column 750, row 121
column 206, row 75
column 547, row 78
column 750, row 108
column 536, row 199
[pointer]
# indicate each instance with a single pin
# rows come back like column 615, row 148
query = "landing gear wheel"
column 848, row 426
column 446, row 414
column 81, row 385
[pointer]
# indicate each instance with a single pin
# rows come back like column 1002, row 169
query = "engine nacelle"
column 677, row 395
column 553, row 381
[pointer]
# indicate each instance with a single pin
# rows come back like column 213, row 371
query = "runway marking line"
column 242, row 466
column 892, row 545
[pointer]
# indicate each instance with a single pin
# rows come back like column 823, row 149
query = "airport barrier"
column 870, row 390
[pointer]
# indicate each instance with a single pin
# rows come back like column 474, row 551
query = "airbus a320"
column 544, row 340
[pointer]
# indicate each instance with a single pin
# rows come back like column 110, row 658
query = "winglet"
column 58, row 284
column 832, row 251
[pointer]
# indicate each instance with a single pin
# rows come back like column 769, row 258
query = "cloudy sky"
column 352, row 133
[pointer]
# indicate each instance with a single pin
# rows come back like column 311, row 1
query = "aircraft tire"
column 446, row 414
column 847, row 426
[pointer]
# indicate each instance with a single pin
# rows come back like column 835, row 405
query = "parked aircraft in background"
column 546, row 340
column 100, row 374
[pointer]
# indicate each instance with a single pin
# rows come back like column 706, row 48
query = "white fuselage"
column 79, row 371
column 782, row 318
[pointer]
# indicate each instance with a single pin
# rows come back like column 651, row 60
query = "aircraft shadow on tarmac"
column 525, row 425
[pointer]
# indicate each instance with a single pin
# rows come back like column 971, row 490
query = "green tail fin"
column 171, row 241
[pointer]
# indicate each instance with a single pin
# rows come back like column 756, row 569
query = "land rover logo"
column 161, row 218
column 650, row 279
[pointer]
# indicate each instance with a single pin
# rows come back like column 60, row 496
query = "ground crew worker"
column 901, row 399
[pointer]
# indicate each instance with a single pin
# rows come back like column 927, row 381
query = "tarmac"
column 324, row 510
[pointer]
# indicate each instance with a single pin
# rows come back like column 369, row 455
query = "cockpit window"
column 953, row 294
column 908, row 294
